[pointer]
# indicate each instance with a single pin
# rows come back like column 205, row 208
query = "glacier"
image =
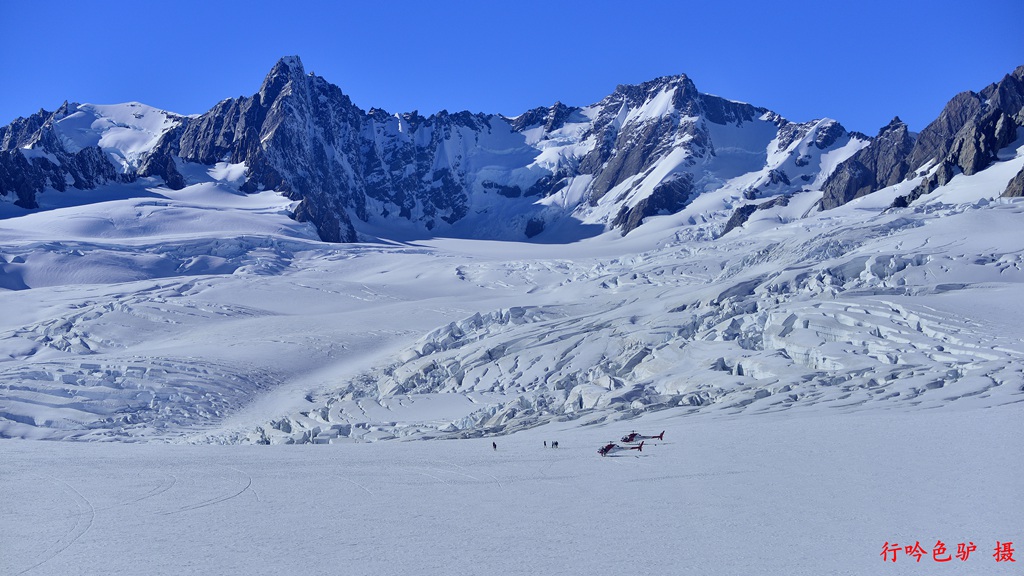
column 189, row 367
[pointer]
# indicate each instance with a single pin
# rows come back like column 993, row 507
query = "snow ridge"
column 643, row 151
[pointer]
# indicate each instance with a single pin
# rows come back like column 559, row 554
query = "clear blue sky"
column 858, row 62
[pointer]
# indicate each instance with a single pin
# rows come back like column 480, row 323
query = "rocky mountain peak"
column 896, row 136
column 556, row 116
column 286, row 70
column 894, row 125
column 966, row 136
column 551, row 118
column 681, row 90
column 657, row 84
column 828, row 132
column 63, row 111
column 882, row 163
column 1007, row 95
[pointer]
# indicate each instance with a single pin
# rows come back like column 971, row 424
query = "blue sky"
column 858, row 62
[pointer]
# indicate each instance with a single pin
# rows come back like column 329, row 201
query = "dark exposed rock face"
column 49, row 163
column 301, row 135
column 882, row 163
column 1015, row 189
column 940, row 177
column 743, row 213
column 778, row 177
column 24, row 179
column 969, row 131
column 283, row 134
column 162, row 165
column 551, row 118
column 534, row 227
column 967, row 135
column 975, row 146
column 934, row 141
column 828, row 136
column 1008, row 95
column 739, row 218
column 727, row 112
column 632, row 147
column 974, row 126
column 626, row 150
column 669, row 197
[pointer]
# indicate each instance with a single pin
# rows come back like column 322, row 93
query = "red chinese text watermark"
column 939, row 553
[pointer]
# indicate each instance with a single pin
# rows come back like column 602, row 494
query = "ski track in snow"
column 216, row 499
column 353, row 482
column 167, row 483
column 83, row 522
column 428, row 475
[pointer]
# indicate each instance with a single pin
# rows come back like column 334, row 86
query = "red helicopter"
column 612, row 447
column 634, row 436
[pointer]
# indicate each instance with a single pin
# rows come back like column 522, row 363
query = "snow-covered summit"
column 79, row 146
column 644, row 150
column 126, row 132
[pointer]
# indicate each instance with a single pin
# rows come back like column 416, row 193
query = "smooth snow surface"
column 774, row 494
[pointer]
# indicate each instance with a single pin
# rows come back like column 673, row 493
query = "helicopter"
column 612, row 447
column 634, row 436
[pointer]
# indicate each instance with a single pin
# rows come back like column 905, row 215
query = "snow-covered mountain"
column 643, row 150
column 166, row 277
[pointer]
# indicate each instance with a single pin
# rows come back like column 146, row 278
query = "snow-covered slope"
column 77, row 147
column 127, row 132
column 205, row 314
column 855, row 309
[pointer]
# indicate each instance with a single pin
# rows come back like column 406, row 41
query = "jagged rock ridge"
column 644, row 150
column 965, row 138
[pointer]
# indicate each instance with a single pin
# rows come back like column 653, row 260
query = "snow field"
column 815, row 493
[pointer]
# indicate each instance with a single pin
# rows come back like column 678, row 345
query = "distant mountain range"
column 644, row 150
